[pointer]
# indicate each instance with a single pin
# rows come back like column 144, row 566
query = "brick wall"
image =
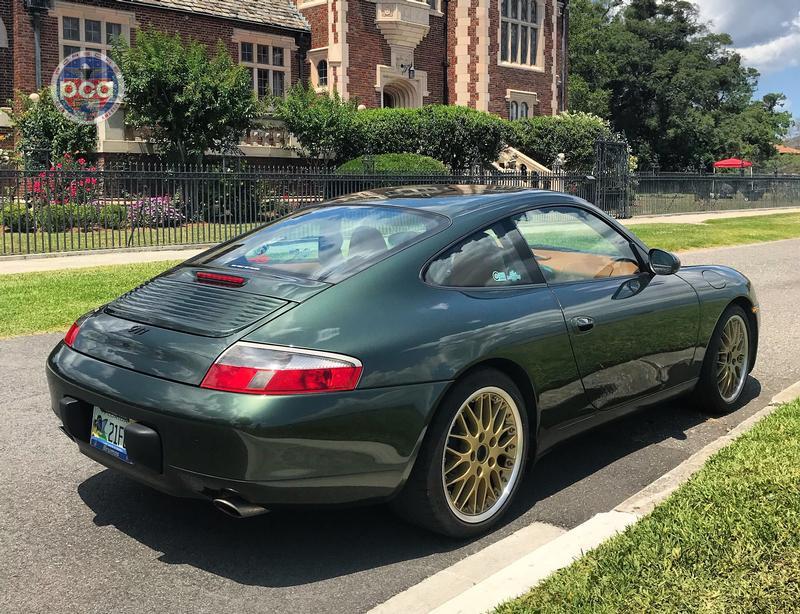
column 6, row 63
column 317, row 17
column 502, row 78
column 368, row 48
column 205, row 29
column 430, row 57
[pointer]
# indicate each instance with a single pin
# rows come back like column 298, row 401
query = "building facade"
column 507, row 57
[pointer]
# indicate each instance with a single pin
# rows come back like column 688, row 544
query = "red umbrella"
column 733, row 163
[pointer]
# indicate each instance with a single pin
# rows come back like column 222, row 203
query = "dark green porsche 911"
column 417, row 345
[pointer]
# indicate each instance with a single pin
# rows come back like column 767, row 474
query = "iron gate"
column 612, row 178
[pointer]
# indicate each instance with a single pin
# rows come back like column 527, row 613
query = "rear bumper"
column 276, row 451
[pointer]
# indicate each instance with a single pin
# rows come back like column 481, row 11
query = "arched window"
column 513, row 111
column 523, row 109
column 322, row 73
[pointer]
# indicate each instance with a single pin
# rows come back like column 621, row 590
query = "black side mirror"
column 663, row 263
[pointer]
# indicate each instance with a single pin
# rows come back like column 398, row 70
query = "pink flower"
column 37, row 187
column 58, row 165
column 81, row 161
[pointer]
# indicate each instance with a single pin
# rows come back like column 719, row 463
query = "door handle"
column 583, row 324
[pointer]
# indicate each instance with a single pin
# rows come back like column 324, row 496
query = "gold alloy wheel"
column 483, row 455
column 732, row 359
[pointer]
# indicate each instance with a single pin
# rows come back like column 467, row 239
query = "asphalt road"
column 75, row 537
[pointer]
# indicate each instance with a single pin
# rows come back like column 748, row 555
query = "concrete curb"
column 526, row 571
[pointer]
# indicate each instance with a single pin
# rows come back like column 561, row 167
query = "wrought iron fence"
column 84, row 208
column 669, row 193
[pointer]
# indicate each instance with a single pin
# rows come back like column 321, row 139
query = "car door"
column 633, row 333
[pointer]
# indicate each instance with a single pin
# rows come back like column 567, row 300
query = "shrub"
column 44, row 133
column 543, row 137
column 17, row 217
column 393, row 163
column 154, row 212
column 113, row 216
column 458, row 136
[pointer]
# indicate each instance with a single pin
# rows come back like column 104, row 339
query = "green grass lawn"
column 50, row 301
column 714, row 233
column 726, row 541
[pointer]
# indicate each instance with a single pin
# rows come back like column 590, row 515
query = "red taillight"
column 220, row 278
column 69, row 338
column 253, row 368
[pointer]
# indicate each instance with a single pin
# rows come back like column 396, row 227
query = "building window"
column 519, row 31
column 80, row 33
column 513, row 110
column 268, row 67
column 322, row 73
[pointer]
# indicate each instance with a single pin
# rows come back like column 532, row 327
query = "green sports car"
column 419, row 345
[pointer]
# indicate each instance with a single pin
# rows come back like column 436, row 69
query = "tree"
column 44, row 133
column 322, row 123
column 544, row 137
column 192, row 101
column 676, row 90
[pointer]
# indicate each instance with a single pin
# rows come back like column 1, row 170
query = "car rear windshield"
column 326, row 243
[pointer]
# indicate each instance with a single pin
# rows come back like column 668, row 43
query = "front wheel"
column 472, row 459
column 727, row 363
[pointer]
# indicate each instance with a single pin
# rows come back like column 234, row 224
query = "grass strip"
column 726, row 541
column 51, row 300
column 719, row 232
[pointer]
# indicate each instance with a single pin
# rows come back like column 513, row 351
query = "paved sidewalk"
column 83, row 260
column 49, row 262
column 700, row 218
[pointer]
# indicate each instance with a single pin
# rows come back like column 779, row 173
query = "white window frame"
column 538, row 64
column 270, row 40
column 517, row 98
column 83, row 12
column 315, row 56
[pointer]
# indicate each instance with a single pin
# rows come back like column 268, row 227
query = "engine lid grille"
column 201, row 309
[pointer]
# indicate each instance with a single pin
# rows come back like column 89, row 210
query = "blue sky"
column 767, row 35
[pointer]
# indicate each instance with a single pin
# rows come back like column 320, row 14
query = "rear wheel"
column 726, row 364
column 472, row 459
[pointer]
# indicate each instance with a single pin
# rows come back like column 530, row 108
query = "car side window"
column 488, row 258
column 572, row 244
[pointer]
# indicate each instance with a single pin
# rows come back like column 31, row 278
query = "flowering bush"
column 155, row 211
column 67, row 182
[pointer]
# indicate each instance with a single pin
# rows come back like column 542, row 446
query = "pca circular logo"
column 88, row 87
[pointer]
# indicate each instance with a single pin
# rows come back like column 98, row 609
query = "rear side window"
column 485, row 259
column 327, row 243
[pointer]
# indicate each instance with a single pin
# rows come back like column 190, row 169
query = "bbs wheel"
column 472, row 459
column 726, row 364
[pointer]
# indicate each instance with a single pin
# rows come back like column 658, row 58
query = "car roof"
column 454, row 200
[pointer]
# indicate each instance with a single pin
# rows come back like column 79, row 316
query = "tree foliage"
column 544, row 137
column 44, row 133
column 322, row 123
column 676, row 90
column 191, row 100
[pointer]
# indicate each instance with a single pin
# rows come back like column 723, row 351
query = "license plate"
column 108, row 433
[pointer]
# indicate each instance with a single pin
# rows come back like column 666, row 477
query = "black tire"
column 423, row 500
column 707, row 396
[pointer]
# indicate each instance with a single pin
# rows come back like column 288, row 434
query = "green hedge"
column 457, row 136
column 58, row 218
column 393, row 163
column 543, row 137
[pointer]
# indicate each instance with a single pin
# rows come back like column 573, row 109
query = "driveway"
column 77, row 537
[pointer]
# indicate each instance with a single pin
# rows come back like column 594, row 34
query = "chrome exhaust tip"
column 237, row 507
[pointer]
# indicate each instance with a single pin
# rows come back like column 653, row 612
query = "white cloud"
column 768, row 37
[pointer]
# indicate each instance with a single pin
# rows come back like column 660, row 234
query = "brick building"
column 502, row 56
